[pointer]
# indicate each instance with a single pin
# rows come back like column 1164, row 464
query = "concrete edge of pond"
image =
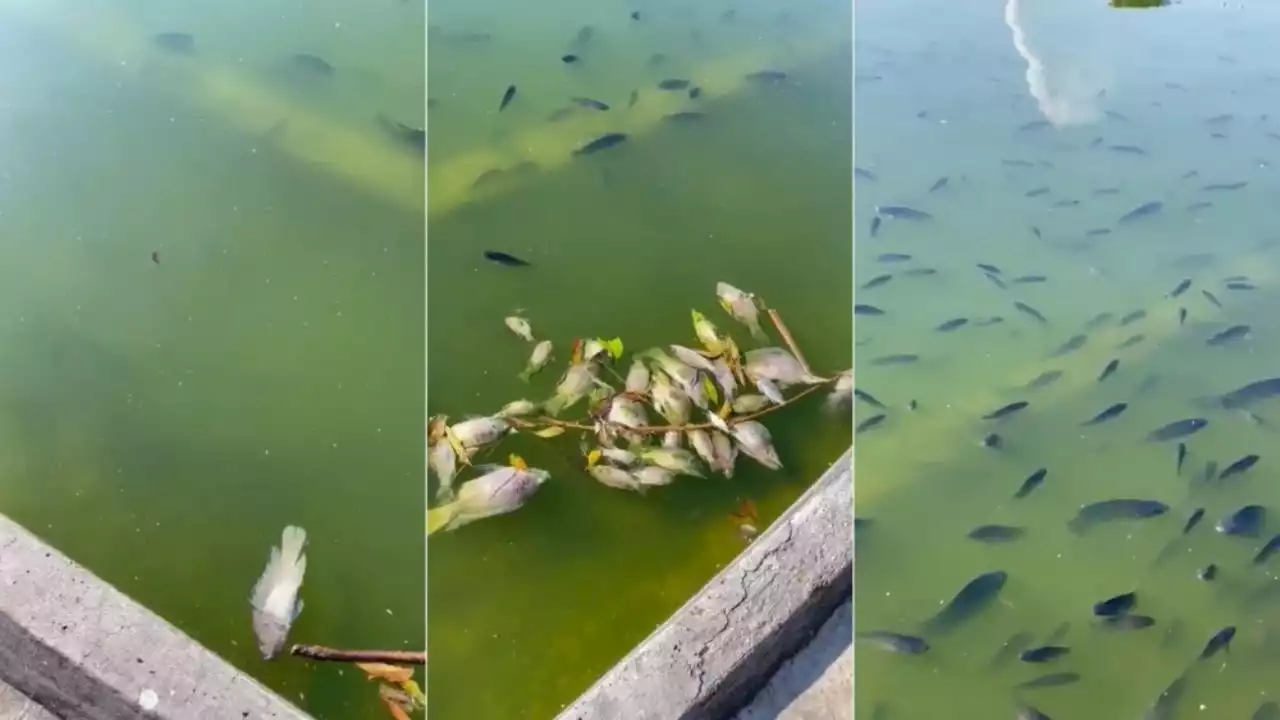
column 710, row 658
column 82, row 649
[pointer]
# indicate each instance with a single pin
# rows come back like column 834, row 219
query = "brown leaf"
column 391, row 673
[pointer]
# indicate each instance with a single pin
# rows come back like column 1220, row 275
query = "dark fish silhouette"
column 1097, row 513
column 507, row 97
column 604, row 142
column 1109, row 413
column 975, row 596
column 1248, row 521
column 1044, row 653
column 1192, row 520
column 876, row 281
column 1177, row 429
column 1239, row 466
column 589, row 103
column 1131, row 341
column 1210, row 571
column 939, row 184
column 902, row 212
column 1127, row 621
column 1032, row 482
column 1109, row 369
column 869, row 423
column 767, row 77
column 1181, row 457
column 1267, row 550
column 952, row 324
column 896, row 359
column 1133, row 317
column 673, row 84
column 1251, row 393
column 1221, row 640
column 175, row 42
column 1050, row 680
column 867, row 398
column 863, row 309
column 505, row 259
column 1231, row 334
column 1268, row 710
column 1075, row 342
column 1144, row 210
column 1211, row 297
column 1044, row 379
column 1117, row 605
column 895, row 642
column 1181, row 288
column 411, row 137
column 1006, row 410
column 996, row 533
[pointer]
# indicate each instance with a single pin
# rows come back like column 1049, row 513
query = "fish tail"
column 440, row 518
column 757, row 332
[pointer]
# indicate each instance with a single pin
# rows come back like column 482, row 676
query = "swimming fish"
column 507, row 96
column 974, row 597
column 505, row 259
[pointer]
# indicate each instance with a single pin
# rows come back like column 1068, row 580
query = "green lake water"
column 945, row 90
column 528, row 609
column 161, row 421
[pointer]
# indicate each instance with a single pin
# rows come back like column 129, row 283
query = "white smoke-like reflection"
column 1067, row 95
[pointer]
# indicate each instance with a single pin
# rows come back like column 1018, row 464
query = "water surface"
column 1170, row 106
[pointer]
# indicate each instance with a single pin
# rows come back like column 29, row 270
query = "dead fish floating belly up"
column 275, row 597
column 604, row 142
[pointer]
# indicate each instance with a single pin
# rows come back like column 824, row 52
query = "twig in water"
column 392, row 657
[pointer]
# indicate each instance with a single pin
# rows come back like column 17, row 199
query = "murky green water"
column 526, row 610
column 161, row 423
column 943, row 90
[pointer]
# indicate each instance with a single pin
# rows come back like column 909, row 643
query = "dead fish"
column 275, row 596
column 175, row 42
column 507, row 96
column 1110, row 413
column 604, row 142
column 1177, row 430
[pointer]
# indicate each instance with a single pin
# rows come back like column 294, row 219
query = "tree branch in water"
column 392, row 657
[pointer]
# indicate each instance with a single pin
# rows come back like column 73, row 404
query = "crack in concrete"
column 699, row 670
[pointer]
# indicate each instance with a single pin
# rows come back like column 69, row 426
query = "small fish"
column 896, row 359
column 1245, row 522
column 507, row 97
column 1127, row 149
column 603, row 142
column 155, row 256
column 1182, row 316
column 633, row 98
column 893, row 257
column 1267, row 550
column 864, row 174
column 1096, row 513
column 1221, row 640
column 769, row 77
column 1218, row 187
column 1251, row 393
column 988, row 268
column 902, row 212
column 1210, row 471
column 686, row 116
column 939, row 184
column 1027, row 712
column 1268, row 710
column 1209, row 572
column 1037, row 192
column 876, row 281
column 589, row 103
column 569, row 59
column 1099, row 320
column 1131, row 341
column 1239, row 466
column 1110, row 413
column 895, row 642
column 1073, row 343
column 275, row 596
column 1132, row 317
column 1177, row 429
column 1043, row 653
column 175, row 42
column 1097, row 232
column 1211, row 298
column 1117, row 605
column 1192, row 520
column 975, row 596
column 1006, row 410
column 505, row 259
column 1241, row 285
column 1032, row 482
column 1050, row 680
column 869, row 423
column 876, row 222
column 1231, row 334
column 996, row 533
column 1146, row 209
column 992, row 441
column 1029, row 279
column 1128, row 621
column 673, row 84
column 1043, row 380
column 952, row 324
column 1180, row 288
column 868, row 398
column 1181, row 457
column 1109, row 370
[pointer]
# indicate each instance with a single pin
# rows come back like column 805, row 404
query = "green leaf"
column 713, row 394
column 614, row 347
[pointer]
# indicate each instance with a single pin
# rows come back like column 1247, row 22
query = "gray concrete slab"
column 816, row 684
column 16, row 706
column 716, row 653
column 85, row 651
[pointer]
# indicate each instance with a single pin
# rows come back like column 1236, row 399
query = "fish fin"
column 297, row 609
column 440, row 518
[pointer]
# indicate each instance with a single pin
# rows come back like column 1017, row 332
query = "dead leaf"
column 393, row 674
column 517, row 462
column 396, row 711
column 550, row 432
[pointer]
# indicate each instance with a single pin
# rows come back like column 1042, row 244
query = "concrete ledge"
column 84, row 651
column 715, row 653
